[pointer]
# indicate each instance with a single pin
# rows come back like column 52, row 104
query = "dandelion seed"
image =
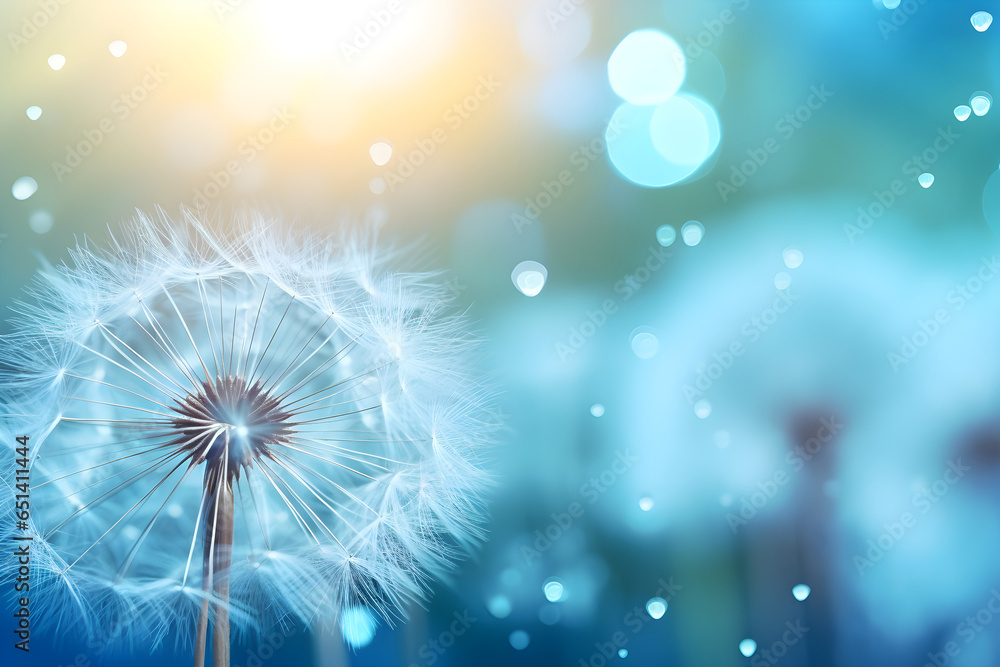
column 235, row 429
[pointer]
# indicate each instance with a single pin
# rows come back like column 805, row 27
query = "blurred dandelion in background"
column 242, row 429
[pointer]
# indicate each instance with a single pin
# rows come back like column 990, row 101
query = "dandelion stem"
column 215, row 573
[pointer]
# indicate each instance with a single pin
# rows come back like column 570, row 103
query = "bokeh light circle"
column 24, row 187
column 666, row 235
column 529, row 277
column 519, row 640
column 40, row 222
column 647, row 67
column 680, row 132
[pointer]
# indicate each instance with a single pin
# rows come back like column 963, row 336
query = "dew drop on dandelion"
column 800, row 592
column 357, row 626
column 926, row 180
column 748, row 647
column 597, row 410
column 529, row 277
column 56, row 61
column 34, row 112
column 117, row 48
column 656, row 608
column 666, row 235
column 24, row 187
column 553, row 589
column 377, row 185
column 692, row 232
column 702, row 409
column 962, row 112
column 645, row 503
column 782, row 280
column 981, row 21
column 519, row 640
column 623, row 653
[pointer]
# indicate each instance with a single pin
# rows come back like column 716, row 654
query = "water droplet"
column 499, row 606
column 519, row 639
column 24, row 187
column 981, row 101
column 377, row 185
column 800, row 592
column 645, row 503
column 981, row 21
column 56, row 61
column 40, row 222
column 782, row 280
column 34, row 113
column 666, row 235
column 962, row 112
column 926, row 180
column 748, row 647
column 702, row 409
column 597, row 410
column 357, row 626
column 656, row 607
column 529, row 277
column 381, row 152
column 117, row 48
column 692, row 232
column 553, row 589
column 792, row 257
column 623, row 653
column 647, row 67
column 644, row 342
column 891, row 4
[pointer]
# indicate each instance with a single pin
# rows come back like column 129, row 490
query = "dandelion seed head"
column 334, row 395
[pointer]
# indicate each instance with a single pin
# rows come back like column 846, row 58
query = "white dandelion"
column 237, row 429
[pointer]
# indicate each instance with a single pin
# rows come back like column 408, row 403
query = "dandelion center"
column 229, row 419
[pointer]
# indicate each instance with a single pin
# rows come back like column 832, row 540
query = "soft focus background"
column 777, row 423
